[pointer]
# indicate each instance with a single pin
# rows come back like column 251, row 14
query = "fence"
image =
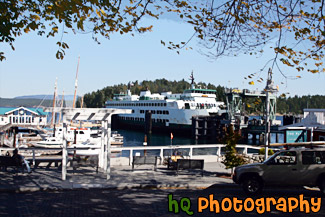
column 211, row 151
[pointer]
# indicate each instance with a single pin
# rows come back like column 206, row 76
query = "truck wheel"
column 322, row 185
column 252, row 185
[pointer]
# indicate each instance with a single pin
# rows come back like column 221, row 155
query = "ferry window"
column 165, row 104
column 153, row 112
column 167, row 112
column 132, row 110
column 155, row 104
column 81, row 132
column 9, row 119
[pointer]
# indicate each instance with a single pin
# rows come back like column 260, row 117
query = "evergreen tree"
column 232, row 159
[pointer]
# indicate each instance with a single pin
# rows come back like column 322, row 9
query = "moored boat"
column 168, row 111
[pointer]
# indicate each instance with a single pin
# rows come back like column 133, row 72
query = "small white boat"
column 51, row 142
column 116, row 139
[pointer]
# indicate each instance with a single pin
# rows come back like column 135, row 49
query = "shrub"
column 262, row 151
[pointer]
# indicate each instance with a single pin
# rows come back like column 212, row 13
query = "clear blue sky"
column 32, row 67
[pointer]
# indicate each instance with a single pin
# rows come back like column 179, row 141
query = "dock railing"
column 190, row 151
column 217, row 150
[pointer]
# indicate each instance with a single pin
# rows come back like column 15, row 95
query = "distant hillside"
column 45, row 97
column 5, row 102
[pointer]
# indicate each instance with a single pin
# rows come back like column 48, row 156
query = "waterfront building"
column 21, row 116
column 311, row 128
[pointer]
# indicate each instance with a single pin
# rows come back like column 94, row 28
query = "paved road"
column 133, row 202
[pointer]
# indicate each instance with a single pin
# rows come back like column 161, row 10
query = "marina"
column 162, row 108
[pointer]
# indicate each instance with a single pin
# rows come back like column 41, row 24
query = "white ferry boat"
column 169, row 112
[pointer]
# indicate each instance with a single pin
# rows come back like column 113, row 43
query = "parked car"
column 293, row 167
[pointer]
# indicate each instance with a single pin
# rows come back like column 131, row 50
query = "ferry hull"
column 181, row 129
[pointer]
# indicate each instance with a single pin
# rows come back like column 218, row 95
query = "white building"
column 22, row 116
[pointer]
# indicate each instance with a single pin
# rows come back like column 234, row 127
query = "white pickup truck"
column 294, row 167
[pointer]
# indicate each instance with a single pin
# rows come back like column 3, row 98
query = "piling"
column 148, row 123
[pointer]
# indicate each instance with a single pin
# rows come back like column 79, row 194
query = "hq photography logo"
column 260, row 205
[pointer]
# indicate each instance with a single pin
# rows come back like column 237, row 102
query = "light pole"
column 270, row 88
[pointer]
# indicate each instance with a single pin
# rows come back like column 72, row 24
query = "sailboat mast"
column 54, row 100
column 76, row 85
column 61, row 107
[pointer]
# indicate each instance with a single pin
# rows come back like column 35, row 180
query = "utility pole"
column 270, row 88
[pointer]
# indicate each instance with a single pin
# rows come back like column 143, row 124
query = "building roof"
column 6, row 110
column 314, row 110
column 313, row 118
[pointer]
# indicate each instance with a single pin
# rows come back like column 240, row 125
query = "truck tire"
column 252, row 185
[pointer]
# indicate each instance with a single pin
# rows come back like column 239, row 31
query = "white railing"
column 243, row 149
